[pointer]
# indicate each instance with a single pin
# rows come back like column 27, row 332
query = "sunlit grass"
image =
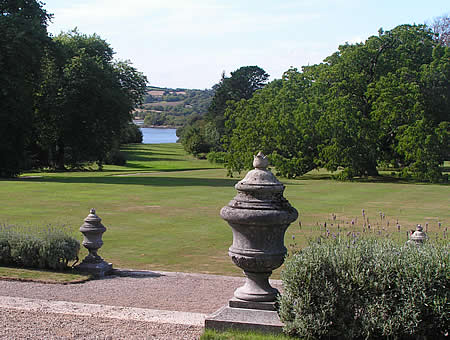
column 42, row 275
column 210, row 334
column 162, row 209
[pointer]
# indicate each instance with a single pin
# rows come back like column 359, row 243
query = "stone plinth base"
column 246, row 315
column 97, row 269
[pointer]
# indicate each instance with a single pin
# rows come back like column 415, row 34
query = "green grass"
column 162, row 209
column 210, row 334
column 41, row 275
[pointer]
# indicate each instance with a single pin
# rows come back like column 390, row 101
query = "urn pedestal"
column 92, row 230
column 258, row 216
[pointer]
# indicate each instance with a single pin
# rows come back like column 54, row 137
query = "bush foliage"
column 348, row 288
column 33, row 247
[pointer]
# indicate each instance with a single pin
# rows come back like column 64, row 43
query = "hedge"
column 35, row 247
column 369, row 288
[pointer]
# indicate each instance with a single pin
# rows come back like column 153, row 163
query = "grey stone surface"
column 245, row 319
column 237, row 303
column 97, row 269
column 259, row 216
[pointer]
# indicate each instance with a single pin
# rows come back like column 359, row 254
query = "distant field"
column 162, row 209
column 163, row 103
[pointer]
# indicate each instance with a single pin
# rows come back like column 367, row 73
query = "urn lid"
column 92, row 222
column 260, row 176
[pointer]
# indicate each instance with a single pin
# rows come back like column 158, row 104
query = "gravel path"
column 163, row 291
column 17, row 324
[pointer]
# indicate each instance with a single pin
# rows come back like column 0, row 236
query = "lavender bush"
column 35, row 247
column 346, row 287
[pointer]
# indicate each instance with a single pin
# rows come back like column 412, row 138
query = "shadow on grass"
column 132, row 180
column 150, row 158
column 371, row 179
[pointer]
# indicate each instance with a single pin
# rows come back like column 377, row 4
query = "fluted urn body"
column 92, row 230
column 259, row 216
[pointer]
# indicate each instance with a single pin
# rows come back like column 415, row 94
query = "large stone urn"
column 259, row 216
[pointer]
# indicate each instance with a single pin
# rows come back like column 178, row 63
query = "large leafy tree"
column 382, row 101
column 23, row 38
column 241, row 85
column 280, row 121
column 86, row 100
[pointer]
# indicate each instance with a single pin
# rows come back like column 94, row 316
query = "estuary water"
column 158, row 135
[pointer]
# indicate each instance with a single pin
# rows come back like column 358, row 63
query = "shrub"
column 216, row 157
column 34, row 247
column 348, row 288
column 115, row 157
column 131, row 134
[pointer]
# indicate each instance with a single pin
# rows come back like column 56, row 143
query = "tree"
column 86, row 99
column 385, row 101
column 359, row 126
column 280, row 122
column 210, row 132
column 241, row 85
column 23, row 38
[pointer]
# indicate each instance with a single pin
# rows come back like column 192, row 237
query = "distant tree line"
column 381, row 103
column 64, row 101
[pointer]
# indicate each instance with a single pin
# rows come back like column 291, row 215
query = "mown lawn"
column 162, row 209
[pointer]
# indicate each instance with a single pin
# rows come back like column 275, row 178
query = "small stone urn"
column 92, row 230
column 259, row 216
column 418, row 237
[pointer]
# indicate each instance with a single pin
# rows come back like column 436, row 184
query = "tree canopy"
column 204, row 134
column 382, row 102
column 64, row 100
column 23, row 39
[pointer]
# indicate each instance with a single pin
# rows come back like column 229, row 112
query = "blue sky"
column 188, row 43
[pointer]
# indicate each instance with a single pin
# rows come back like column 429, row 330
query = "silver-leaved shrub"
column 49, row 247
column 370, row 288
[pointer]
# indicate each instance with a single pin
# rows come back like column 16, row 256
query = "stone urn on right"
column 258, row 216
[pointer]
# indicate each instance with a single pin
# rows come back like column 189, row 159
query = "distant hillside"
column 172, row 107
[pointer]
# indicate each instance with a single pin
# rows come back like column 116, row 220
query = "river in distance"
column 158, row 135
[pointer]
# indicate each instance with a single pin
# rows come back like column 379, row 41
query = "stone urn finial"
column 258, row 216
column 92, row 230
column 260, row 161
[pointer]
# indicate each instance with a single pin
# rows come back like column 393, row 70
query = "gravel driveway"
column 136, row 291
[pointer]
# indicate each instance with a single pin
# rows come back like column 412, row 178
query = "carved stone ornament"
column 92, row 230
column 418, row 237
column 259, row 216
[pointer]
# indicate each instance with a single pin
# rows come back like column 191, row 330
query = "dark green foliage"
column 278, row 121
column 204, row 134
column 385, row 101
column 130, row 133
column 241, row 85
column 63, row 100
column 370, row 288
column 216, row 157
column 23, row 38
column 44, row 248
column 85, row 100
column 115, row 157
